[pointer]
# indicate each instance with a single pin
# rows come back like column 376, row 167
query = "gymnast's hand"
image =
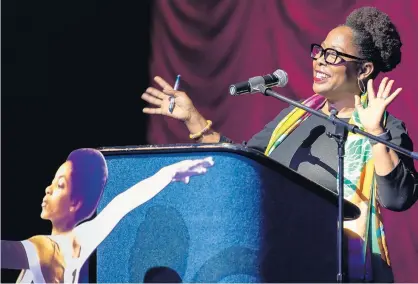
column 183, row 105
column 182, row 171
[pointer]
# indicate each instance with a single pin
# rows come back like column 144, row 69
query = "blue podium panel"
column 240, row 222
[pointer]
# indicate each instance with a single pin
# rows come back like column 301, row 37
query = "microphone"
column 278, row 78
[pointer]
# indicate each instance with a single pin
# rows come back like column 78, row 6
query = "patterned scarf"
column 365, row 234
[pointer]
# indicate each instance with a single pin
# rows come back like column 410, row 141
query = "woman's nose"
column 48, row 189
column 321, row 60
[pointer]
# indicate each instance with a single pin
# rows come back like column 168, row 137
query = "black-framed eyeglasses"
column 331, row 56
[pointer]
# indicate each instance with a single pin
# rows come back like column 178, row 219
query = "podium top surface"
column 351, row 211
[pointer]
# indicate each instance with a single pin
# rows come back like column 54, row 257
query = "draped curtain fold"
column 218, row 42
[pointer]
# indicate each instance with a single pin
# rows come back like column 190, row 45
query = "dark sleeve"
column 13, row 255
column 224, row 139
column 397, row 190
column 260, row 140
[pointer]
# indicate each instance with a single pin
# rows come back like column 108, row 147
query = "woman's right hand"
column 183, row 107
column 183, row 110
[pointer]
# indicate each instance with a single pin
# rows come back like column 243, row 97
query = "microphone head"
column 282, row 77
column 233, row 90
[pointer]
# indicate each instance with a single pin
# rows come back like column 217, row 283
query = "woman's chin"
column 324, row 92
column 320, row 90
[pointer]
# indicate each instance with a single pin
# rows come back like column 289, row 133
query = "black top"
column 309, row 151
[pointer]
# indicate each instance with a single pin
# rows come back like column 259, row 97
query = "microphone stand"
column 340, row 136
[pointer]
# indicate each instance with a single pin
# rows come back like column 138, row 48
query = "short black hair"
column 88, row 176
column 376, row 37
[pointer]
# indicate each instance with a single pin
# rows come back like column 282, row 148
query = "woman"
column 71, row 199
column 344, row 67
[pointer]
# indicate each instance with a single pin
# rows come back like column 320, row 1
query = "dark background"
column 72, row 76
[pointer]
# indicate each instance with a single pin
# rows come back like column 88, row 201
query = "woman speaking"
column 344, row 67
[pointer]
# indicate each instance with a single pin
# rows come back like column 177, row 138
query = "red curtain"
column 215, row 43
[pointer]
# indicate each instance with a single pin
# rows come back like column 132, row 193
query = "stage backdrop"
column 215, row 43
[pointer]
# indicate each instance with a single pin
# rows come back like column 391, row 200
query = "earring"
column 363, row 90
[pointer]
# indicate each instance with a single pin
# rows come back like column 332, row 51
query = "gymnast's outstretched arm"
column 90, row 234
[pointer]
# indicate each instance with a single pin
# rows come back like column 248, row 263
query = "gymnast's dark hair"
column 376, row 37
column 89, row 176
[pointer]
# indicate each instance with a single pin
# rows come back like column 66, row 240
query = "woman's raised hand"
column 183, row 105
column 182, row 108
column 371, row 117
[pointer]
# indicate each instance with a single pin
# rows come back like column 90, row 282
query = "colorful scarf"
column 359, row 188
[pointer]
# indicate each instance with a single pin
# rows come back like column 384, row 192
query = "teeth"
column 321, row 75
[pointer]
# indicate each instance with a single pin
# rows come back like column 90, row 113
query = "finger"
column 357, row 103
column 209, row 160
column 386, row 91
column 201, row 170
column 152, row 110
column 191, row 165
column 156, row 93
column 207, row 164
column 393, row 96
column 151, row 99
column 197, row 161
column 197, row 171
column 382, row 86
column 184, row 165
column 172, row 92
column 370, row 90
column 163, row 84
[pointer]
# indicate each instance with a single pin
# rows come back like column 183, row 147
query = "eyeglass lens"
column 331, row 56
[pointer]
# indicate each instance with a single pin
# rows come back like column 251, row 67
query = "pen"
column 176, row 87
column 177, row 83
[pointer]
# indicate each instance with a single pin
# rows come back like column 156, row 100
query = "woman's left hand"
column 371, row 117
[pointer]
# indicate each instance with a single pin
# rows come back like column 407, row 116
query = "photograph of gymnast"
column 345, row 65
column 70, row 200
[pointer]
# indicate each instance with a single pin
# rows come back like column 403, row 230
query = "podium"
column 248, row 219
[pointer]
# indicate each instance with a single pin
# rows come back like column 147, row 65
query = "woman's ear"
column 365, row 70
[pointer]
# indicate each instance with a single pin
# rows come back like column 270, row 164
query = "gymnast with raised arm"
column 72, row 198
